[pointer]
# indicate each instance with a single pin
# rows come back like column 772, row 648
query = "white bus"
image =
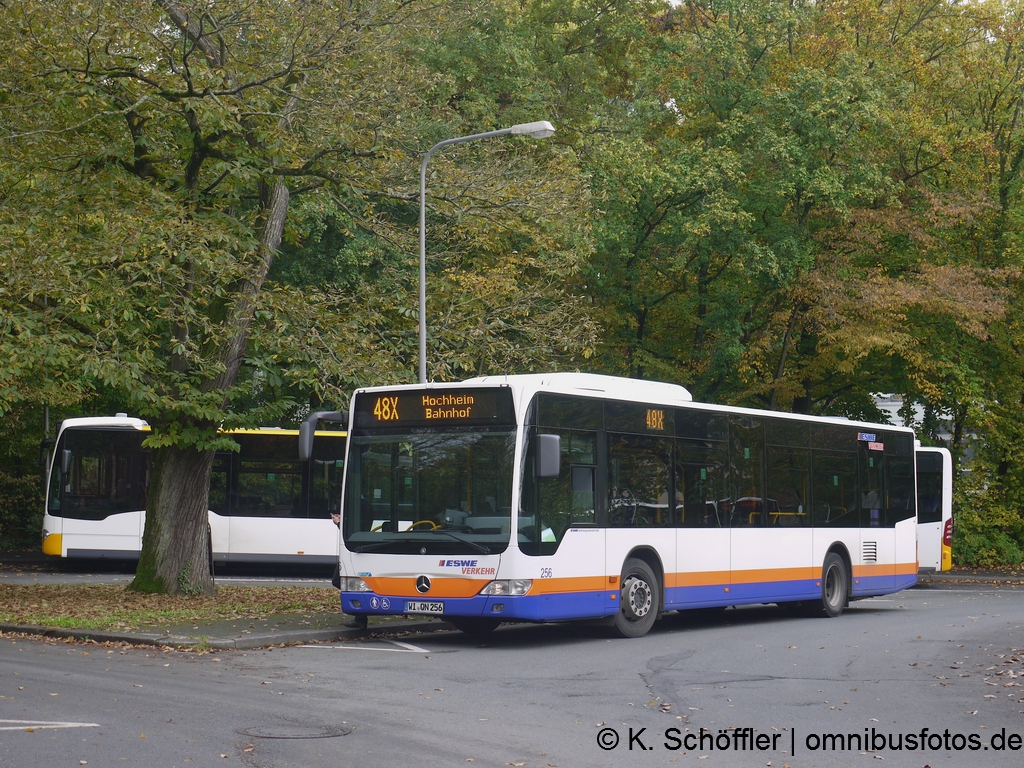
column 575, row 496
column 265, row 504
column 934, row 509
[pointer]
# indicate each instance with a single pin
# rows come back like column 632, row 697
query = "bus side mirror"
column 44, row 450
column 65, row 462
column 306, row 431
column 308, row 427
column 549, row 455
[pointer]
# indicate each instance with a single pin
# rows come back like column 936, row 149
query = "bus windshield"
column 430, row 491
column 104, row 474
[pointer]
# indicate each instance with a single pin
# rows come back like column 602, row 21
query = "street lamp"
column 541, row 129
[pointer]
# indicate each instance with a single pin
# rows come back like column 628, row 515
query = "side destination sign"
column 434, row 407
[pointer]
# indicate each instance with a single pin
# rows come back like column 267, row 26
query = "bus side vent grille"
column 870, row 551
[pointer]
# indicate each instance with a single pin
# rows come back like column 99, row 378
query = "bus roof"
column 525, row 386
column 103, row 421
column 587, row 384
column 123, row 422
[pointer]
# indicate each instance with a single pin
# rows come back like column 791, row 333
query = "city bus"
column 265, row 504
column 934, row 509
column 549, row 497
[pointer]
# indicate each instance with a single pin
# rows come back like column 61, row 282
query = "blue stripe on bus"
column 544, row 607
column 738, row 594
column 582, row 605
column 883, row 585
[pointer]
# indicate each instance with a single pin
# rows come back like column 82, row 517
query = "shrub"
column 21, row 511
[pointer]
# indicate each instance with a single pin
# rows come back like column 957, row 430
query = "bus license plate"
column 423, row 606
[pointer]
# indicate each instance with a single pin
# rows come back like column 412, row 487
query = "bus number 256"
column 545, row 573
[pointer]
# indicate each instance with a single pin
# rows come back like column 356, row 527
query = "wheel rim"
column 637, row 598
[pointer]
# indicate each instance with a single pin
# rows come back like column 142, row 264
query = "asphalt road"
column 543, row 696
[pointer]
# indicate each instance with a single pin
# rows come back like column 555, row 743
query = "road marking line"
column 403, row 647
column 410, row 646
column 39, row 725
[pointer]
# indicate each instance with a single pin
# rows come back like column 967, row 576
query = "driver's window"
column 551, row 505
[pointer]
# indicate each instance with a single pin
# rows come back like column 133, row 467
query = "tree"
column 152, row 157
column 174, row 132
column 788, row 205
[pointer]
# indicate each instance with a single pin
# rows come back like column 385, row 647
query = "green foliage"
column 157, row 156
column 792, row 206
column 185, row 585
column 21, row 511
column 21, row 478
column 977, row 544
column 146, row 580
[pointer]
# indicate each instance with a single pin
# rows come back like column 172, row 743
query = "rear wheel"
column 474, row 625
column 835, row 585
column 639, row 601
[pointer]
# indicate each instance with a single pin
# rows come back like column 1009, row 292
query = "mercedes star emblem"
column 423, row 584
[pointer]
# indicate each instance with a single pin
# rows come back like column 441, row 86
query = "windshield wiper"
column 375, row 545
column 478, row 547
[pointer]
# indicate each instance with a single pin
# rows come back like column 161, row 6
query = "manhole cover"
column 295, row 731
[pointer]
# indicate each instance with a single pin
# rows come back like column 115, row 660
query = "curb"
column 959, row 583
column 181, row 642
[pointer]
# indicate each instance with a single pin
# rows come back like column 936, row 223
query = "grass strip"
column 106, row 606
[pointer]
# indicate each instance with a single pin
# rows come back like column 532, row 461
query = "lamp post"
column 541, row 129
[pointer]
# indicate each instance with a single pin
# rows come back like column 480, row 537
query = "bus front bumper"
column 53, row 545
column 539, row 607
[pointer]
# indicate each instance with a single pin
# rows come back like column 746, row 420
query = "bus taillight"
column 947, row 533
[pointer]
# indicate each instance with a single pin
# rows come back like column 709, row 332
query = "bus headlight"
column 508, row 587
column 354, row 584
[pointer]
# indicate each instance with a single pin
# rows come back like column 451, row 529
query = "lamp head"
column 540, row 129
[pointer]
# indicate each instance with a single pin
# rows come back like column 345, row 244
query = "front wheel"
column 474, row 625
column 835, row 585
column 639, row 599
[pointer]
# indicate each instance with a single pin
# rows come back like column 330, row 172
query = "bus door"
column 934, row 507
column 558, row 527
column 901, row 507
column 702, row 536
column 641, row 503
column 878, row 540
column 771, row 539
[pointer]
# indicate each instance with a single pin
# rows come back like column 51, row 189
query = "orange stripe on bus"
column 439, row 587
column 572, row 584
column 459, row 587
column 884, row 569
column 775, row 574
column 697, row 579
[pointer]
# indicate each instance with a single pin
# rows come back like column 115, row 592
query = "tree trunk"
column 176, row 544
column 176, row 541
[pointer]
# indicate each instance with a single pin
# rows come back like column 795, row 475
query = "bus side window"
column 698, row 485
column 638, row 481
column 551, row 505
column 835, row 489
column 900, row 487
column 872, row 498
column 789, row 472
column 219, row 484
column 746, row 471
column 582, row 494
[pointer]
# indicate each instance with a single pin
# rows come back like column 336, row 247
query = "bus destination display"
column 434, row 407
